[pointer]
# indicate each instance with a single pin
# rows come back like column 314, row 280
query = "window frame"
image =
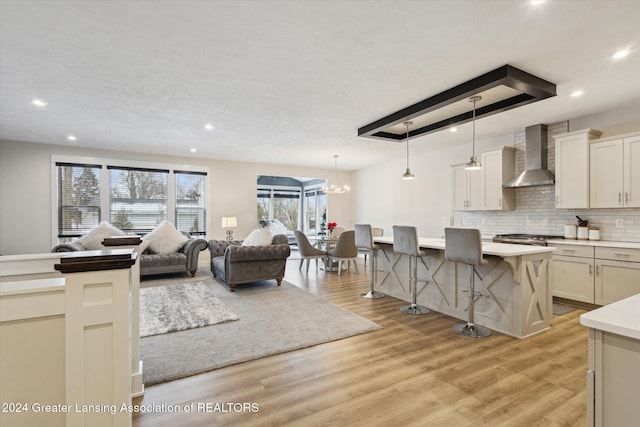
column 105, row 184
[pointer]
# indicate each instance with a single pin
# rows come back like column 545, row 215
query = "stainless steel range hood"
column 535, row 160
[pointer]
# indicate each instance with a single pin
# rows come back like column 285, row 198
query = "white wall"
column 25, row 191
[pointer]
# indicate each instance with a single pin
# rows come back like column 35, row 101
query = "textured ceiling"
column 290, row 82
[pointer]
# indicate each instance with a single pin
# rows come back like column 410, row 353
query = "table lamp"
column 229, row 222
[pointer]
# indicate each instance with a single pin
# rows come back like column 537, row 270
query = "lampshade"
column 229, row 222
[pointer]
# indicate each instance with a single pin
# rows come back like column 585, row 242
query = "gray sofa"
column 236, row 264
column 185, row 260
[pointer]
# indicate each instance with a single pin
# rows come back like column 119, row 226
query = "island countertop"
column 498, row 249
column 621, row 317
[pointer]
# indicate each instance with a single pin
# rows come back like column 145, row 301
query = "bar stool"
column 465, row 245
column 364, row 241
column 405, row 241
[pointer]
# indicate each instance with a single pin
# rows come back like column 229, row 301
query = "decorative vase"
column 331, row 233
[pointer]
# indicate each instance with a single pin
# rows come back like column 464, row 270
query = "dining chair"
column 345, row 250
column 337, row 231
column 307, row 251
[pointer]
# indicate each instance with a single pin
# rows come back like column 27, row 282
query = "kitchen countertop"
column 599, row 243
column 498, row 249
column 621, row 317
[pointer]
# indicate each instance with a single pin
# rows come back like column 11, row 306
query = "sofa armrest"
column 68, row 247
column 192, row 249
column 256, row 253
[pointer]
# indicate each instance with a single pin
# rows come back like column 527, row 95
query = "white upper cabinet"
column 482, row 189
column 572, row 168
column 614, row 179
column 498, row 167
column 467, row 194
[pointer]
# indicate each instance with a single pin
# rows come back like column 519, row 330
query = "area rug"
column 272, row 320
column 177, row 307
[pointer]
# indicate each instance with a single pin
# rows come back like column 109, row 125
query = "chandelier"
column 335, row 188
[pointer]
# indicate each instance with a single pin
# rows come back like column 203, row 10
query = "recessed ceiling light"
column 577, row 93
column 38, row 102
column 208, row 126
column 193, row 150
column 453, row 129
column 536, row 2
column 72, row 138
column 621, row 54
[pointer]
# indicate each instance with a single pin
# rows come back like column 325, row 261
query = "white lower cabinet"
column 599, row 275
column 573, row 272
column 617, row 275
column 612, row 380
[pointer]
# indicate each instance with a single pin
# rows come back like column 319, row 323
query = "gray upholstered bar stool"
column 405, row 241
column 465, row 245
column 364, row 241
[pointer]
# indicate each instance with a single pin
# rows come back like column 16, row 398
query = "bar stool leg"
column 373, row 294
column 414, row 308
column 470, row 329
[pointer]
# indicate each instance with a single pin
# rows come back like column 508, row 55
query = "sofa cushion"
column 165, row 239
column 92, row 241
column 259, row 237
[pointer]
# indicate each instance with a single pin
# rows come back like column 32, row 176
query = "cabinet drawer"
column 618, row 254
column 573, row 250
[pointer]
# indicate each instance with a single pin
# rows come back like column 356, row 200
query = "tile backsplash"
column 535, row 207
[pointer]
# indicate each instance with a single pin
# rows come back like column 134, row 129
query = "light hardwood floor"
column 414, row 372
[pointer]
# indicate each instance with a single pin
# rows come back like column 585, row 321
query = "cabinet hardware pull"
column 626, row 197
column 568, row 250
column 619, row 198
column 557, row 198
column 499, row 202
column 597, row 270
column 590, row 270
column 625, row 255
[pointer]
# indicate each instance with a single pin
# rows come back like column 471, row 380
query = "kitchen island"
column 515, row 283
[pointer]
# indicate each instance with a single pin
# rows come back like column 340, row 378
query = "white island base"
column 516, row 280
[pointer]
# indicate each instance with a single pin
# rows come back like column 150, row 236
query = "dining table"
column 326, row 242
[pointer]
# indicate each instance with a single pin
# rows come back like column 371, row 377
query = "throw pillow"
column 92, row 241
column 276, row 227
column 165, row 239
column 259, row 237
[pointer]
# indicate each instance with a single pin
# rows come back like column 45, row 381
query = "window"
column 280, row 204
column 191, row 202
column 78, row 199
column 315, row 208
column 285, row 207
column 134, row 199
column 298, row 203
column 138, row 198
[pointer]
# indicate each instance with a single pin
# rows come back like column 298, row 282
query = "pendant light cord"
column 473, row 137
column 408, row 124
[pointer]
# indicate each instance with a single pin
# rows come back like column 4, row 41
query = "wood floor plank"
column 415, row 371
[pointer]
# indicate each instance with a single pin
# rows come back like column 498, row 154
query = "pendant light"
column 407, row 174
column 473, row 163
column 335, row 188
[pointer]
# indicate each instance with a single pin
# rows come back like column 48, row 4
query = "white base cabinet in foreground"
column 613, row 375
